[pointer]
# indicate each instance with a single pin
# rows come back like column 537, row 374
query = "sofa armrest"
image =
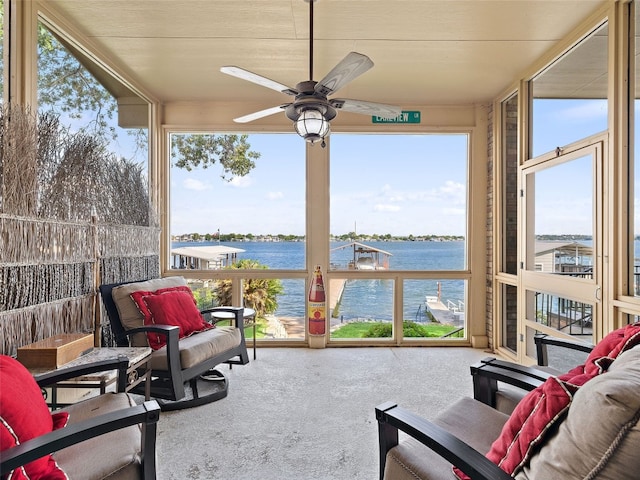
column 488, row 372
column 392, row 418
column 542, row 340
column 146, row 414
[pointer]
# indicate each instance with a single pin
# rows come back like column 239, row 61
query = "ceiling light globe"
column 311, row 125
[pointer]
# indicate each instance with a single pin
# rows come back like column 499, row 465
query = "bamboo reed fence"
column 72, row 216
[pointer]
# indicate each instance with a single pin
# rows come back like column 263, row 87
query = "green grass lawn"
column 261, row 329
column 369, row 330
column 383, row 330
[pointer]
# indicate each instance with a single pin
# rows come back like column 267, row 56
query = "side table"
column 249, row 315
column 139, row 371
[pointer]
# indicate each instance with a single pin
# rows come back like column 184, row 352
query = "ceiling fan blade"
column 350, row 67
column 261, row 114
column 365, row 108
column 259, row 79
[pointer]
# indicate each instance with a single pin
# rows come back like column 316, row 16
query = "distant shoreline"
column 249, row 237
column 197, row 238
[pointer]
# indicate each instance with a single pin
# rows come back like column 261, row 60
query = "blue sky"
column 397, row 184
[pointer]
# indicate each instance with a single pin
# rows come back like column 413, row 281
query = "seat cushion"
column 199, row 347
column 473, row 422
column 112, row 455
column 600, row 436
column 130, row 315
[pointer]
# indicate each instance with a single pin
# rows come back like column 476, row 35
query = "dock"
column 442, row 313
column 336, row 289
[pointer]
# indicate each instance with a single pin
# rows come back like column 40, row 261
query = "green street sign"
column 407, row 116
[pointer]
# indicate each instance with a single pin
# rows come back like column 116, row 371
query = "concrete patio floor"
column 308, row 414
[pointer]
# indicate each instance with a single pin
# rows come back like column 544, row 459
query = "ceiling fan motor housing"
column 308, row 99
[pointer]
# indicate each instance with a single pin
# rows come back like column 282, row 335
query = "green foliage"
column 204, row 297
column 261, row 294
column 409, row 330
column 232, row 152
column 66, row 87
column 379, row 330
column 384, row 330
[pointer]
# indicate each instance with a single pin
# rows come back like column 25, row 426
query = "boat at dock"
column 365, row 257
column 204, row 257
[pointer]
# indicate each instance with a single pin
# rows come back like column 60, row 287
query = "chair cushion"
column 199, row 347
column 170, row 306
column 112, row 455
column 600, row 436
column 24, row 415
column 470, row 420
column 130, row 315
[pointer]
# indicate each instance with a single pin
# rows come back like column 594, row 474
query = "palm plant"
column 261, row 294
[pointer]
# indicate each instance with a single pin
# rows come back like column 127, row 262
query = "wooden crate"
column 55, row 351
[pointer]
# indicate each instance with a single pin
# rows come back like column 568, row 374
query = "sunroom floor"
column 298, row 413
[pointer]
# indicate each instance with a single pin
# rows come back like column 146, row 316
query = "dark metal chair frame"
column 146, row 415
column 168, row 386
column 542, row 340
column 485, row 374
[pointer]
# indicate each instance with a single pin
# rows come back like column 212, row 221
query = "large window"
column 569, row 99
column 103, row 168
column 230, row 216
column 507, row 211
column 562, row 185
column 398, row 204
column 244, row 233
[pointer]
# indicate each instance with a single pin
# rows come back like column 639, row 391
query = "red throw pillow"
column 534, row 415
column 24, row 415
column 603, row 354
column 170, row 306
column 142, row 306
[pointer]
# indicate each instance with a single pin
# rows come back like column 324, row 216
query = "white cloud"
column 197, row 185
column 275, row 195
column 453, row 188
column 386, row 208
column 240, row 182
column 396, row 198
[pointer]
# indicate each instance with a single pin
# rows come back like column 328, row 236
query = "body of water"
column 367, row 298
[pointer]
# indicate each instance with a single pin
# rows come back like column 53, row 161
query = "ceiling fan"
column 311, row 110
